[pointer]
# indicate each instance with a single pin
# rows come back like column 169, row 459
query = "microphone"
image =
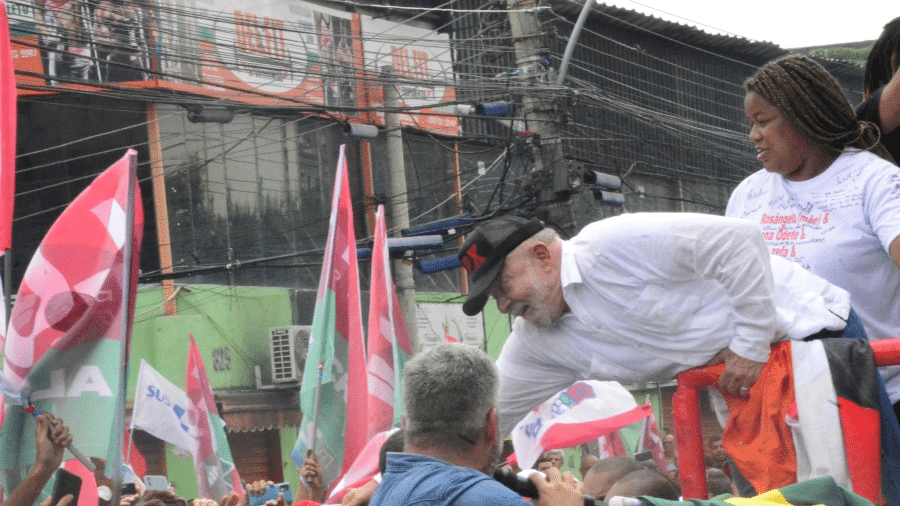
column 524, row 487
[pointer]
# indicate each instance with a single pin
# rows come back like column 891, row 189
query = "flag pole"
column 640, row 444
column 315, row 421
column 7, row 287
column 124, row 312
column 130, row 437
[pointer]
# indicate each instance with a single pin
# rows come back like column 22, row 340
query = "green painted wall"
column 236, row 318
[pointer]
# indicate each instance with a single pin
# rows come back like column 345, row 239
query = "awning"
column 255, row 410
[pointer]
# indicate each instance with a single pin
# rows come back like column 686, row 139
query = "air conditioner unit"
column 288, row 347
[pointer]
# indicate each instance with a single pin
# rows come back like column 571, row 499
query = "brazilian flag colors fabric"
column 818, row 492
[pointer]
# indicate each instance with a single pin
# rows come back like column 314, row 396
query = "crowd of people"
column 809, row 249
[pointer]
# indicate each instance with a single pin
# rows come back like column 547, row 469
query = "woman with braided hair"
column 828, row 198
column 881, row 88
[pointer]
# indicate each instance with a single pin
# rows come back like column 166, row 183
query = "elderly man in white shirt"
column 639, row 297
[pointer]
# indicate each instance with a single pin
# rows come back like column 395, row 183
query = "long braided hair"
column 878, row 64
column 811, row 100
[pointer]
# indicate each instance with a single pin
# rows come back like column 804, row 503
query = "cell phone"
column 271, row 494
column 129, row 489
column 66, row 483
column 156, row 482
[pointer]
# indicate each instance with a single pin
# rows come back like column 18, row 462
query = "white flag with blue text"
column 161, row 409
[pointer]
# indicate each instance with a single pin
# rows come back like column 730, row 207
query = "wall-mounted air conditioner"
column 288, row 347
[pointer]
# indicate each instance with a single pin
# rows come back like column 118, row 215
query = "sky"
column 788, row 23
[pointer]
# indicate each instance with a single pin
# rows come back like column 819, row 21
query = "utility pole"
column 403, row 269
column 550, row 173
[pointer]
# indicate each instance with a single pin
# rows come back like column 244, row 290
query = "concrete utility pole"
column 403, row 269
column 538, row 114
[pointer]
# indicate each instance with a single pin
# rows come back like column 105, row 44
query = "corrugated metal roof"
column 626, row 18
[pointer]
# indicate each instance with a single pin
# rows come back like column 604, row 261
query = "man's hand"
column 557, row 489
column 65, row 500
column 231, row 499
column 51, row 437
column 312, row 473
column 128, row 499
column 740, row 373
column 360, row 496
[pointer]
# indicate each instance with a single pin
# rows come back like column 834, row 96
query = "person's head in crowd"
column 670, row 447
column 884, row 58
column 587, row 461
column 556, row 458
column 542, row 464
column 674, row 476
column 517, row 261
column 647, row 482
column 718, row 483
column 450, row 392
column 715, row 452
column 601, row 476
column 801, row 120
column 393, row 443
column 160, row 498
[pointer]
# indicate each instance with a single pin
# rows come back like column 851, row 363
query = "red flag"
column 135, row 459
column 336, row 343
column 215, row 476
column 611, row 445
column 363, row 469
column 447, row 337
column 386, row 330
column 7, row 133
column 650, row 440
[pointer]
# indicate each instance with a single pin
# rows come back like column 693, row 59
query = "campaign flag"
column 69, row 328
column 821, row 491
column 611, row 445
column 7, row 133
column 389, row 347
column 363, row 469
column 336, row 342
column 447, row 337
column 650, row 440
column 580, row 413
column 213, row 464
column 161, row 409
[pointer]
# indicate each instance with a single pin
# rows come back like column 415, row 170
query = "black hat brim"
column 481, row 290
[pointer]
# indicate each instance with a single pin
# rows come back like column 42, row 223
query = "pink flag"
column 336, row 343
column 386, row 332
column 578, row 414
column 363, row 469
column 611, row 445
column 447, row 337
column 71, row 323
column 216, row 476
column 650, row 440
column 7, row 133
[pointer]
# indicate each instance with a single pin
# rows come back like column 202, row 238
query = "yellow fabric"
column 771, row 497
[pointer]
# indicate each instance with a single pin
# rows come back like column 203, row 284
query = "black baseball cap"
column 484, row 251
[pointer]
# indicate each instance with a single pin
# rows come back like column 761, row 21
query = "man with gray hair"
column 452, row 439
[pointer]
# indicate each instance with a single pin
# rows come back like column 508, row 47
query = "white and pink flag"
column 651, row 441
column 611, row 445
column 363, row 469
column 389, row 347
column 580, row 413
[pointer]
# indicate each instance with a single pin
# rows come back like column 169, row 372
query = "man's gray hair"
column 449, row 391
